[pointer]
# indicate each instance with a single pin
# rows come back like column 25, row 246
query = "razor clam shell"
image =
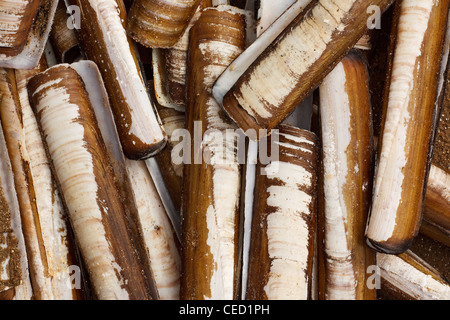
column 295, row 63
column 269, row 12
column 169, row 69
column 407, row 276
column 16, row 19
column 63, row 39
column 160, row 184
column 104, row 40
column 160, row 81
column 436, row 217
column 348, row 154
column 281, row 250
column 159, row 23
column 263, row 21
column 29, row 56
column 86, row 169
column 157, row 232
column 42, row 215
column 10, row 233
column 60, row 250
column 167, row 174
column 437, row 206
column 176, row 74
column 237, row 68
column 210, row 238
column 169, row 64
column 247, row 205
column 408, row 130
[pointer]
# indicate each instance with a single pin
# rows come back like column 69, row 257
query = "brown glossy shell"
column 16, row 19
column 158, row 23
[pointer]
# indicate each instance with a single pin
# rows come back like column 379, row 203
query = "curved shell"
column 160, row 23
column 158, row 236
column 265, row 37
column 295, row 63
column 104, row 40
column 85, row 168
column 158, row 233
column 50, row 252
column 63, row 39
column 16, row 19
column 159, row 240
column 170, row 69
column 407, row 276
column 36, row 32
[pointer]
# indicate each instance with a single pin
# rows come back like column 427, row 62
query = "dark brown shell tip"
column 396, row 247
column 146, row 152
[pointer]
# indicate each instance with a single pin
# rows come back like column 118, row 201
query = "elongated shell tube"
column 14, row 137
column 103, row 38
column 409, row 125
column 159, row 236
column 44, row 223
column 159, row 242
column 159, row 23
column 211, row 183
column 89, row 184
column 22, row 18
column 436, row 216
column 17, row 18
column 295, row 63
column 284, row 217
column 346, row 128
column 263, row 20
column 407, row 276
column 14, row 277
column 62, row 254
column 248, row 187
column 264, row 38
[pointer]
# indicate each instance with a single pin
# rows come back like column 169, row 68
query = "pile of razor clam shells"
column 206, row 149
